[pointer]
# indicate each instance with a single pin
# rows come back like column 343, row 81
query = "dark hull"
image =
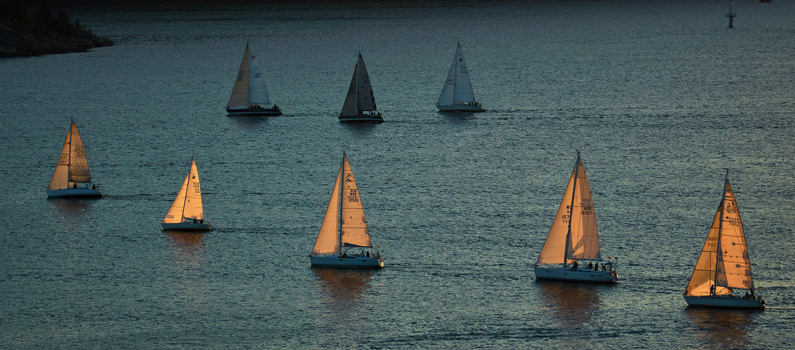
column 361, row 118
column 254, row 112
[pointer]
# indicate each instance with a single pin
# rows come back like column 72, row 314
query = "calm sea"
column 660, row 97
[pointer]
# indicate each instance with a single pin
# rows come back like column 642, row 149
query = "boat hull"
column 74, row 193
column 350, row 261
column 254, row 112
column 460, row 108
column 361, row 118
column 580, row 275
column 198, row 226
column 725, row 302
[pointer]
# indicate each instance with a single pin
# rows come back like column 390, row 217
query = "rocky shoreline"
column 43, row 31
column 16, row 44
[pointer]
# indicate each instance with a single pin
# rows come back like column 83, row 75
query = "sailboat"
column 457, row 94
column 359, row 103
column 72, row 177
column 724, row 264
column 186, row 212
column 249, row 96
column 573, row 238
column 344, row 228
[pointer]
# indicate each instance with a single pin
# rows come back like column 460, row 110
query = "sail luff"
column 463, row 85
column 257, row 93
column 734, row 265
column 327, row 241
column 702, row 281
column 555, row 246
column 364, row 96
column 78, row 162
column 175, row 213
column 239, row 97
column 584, row 235
column 193, row 208
column 447, row 98
column 353, row 225
column 60, row 176
column 350, row 106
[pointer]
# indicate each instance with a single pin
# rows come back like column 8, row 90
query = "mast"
column 69, row 158
column 339, row 199
column 455, row 82
column 185, row 200
column 571, row 210
column 720, row 228
column 357, row 98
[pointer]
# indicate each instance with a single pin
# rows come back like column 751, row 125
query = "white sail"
column 458, row 87
column 250, row 84
column 239, row 98
column 724, row 262
column 353, row 226
column 257, row 93
column 573, row 234
column 72, row 164
column 188, row 204
column 360, row 93
column 327, row 241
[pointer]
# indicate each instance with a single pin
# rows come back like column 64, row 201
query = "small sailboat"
column 344, row 228
column 457, row 94
column 249, row 96
column 359, row 103
column 186, row 212
column 724, row 265
column 573, row 238
column 72, row 177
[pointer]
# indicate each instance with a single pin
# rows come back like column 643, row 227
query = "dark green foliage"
column 46, row 18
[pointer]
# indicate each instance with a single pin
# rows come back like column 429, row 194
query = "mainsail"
column 188, row 204
column 344, row 224
column 360, row 93
column 250, row 85
column 72, row 164
column 328, row 238
column 724, row 262
column 573, row 235
column 458, row 87
column 353, row 226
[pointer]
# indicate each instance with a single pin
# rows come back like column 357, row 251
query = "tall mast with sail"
column 574, row 237
column 359, row 105
column 344, row 227
column 72, row 177
column 249, row 95
column 187, row 211
column 724, row 264
column 457, row 94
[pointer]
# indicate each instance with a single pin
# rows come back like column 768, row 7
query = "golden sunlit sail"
column 724, row 264
column 344, row 227
column 72, row 177
column 186, row 212
column 574, row 237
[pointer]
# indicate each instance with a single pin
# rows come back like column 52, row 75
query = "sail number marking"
column 353, row 196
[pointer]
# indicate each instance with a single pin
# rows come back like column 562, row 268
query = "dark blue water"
column 660, row 98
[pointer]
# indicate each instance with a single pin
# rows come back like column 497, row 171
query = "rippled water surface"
column 660, row 98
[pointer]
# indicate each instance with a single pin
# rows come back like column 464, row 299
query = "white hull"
column 460, row 108
column 724, row 302
column 75, row 192
column 205, row 226
column 580, row 275
column 350, row 261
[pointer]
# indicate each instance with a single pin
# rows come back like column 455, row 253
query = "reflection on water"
column 249, row 122
column 71, row 210
column 572, row 304
column 458, row 116
column 343, row 288
column 189, row 246
column 722, row 328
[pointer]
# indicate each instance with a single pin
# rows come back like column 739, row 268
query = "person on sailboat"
column 574, row 266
